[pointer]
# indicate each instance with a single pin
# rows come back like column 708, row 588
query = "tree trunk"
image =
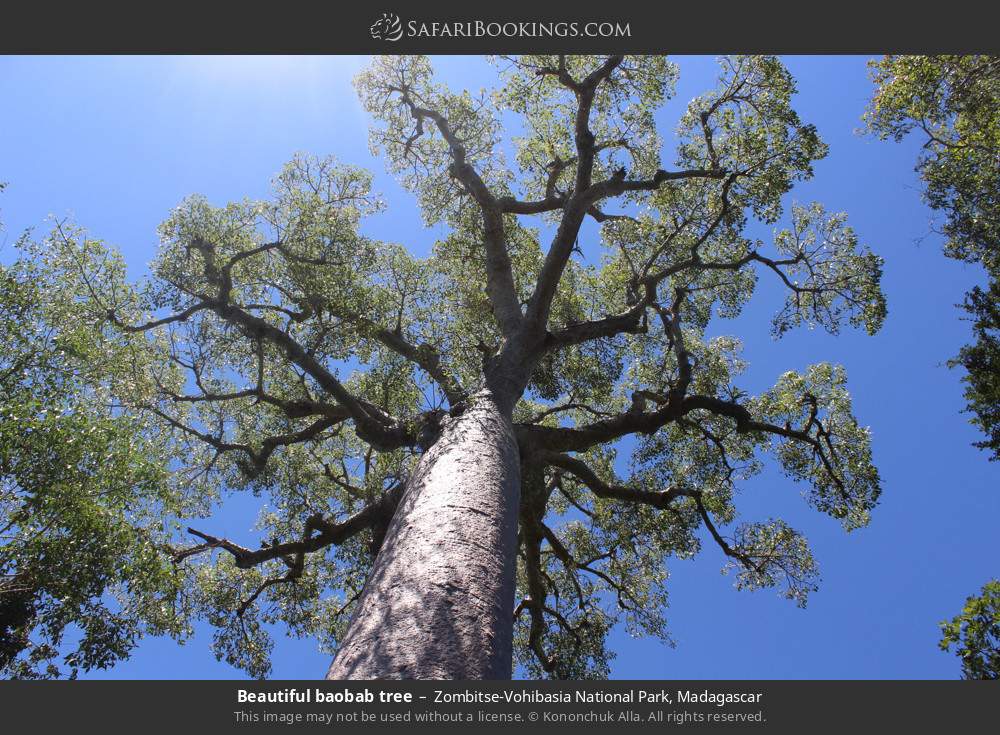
column 439, row 601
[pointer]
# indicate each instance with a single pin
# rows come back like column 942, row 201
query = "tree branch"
column 317, row 534
column 499, row 273
column 657, row 499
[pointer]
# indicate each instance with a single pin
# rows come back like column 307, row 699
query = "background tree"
column 953, row 103
column 83, row 488
column 487, row 454
column 975, row 632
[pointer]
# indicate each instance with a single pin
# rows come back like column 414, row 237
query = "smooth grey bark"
column 439, row 601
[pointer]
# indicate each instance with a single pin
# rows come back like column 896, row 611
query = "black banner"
column 377, row 707
column 393, row 27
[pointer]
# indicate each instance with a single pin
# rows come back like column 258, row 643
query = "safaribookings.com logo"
column 387, row 28
column 390, row 28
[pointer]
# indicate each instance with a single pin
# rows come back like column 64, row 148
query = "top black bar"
column 392, row 27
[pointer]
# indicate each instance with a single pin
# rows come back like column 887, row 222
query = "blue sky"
column 116, row 142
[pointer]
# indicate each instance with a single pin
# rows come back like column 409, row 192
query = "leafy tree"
column 82, row 487
column 953, row 104
column 488, row 454
column 976, row 634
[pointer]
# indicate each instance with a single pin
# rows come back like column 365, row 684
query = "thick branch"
column 329, row 533
column 658, row 499
column 428, row 359
column 535, row 603
column 617, row 185
column 510, row 205
column 627, row 322
column 373, row 426
column 499, row 272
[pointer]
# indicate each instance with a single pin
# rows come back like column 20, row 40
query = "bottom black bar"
column 643, row 706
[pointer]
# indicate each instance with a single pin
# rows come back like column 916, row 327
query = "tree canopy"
column 975, row 634
column 953, row 104
column 290, row 355
column 83, row 487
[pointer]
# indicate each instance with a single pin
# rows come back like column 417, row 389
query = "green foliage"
column 423, row 162
column 953, row 104
column 981, row 361
column 975, row 632
column 83, row 488
column 829, row 277
column 754, row 129
column 621, row 117
column 779, row 557
column 838, row 467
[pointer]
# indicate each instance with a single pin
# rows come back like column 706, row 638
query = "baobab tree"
column 439, row 436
